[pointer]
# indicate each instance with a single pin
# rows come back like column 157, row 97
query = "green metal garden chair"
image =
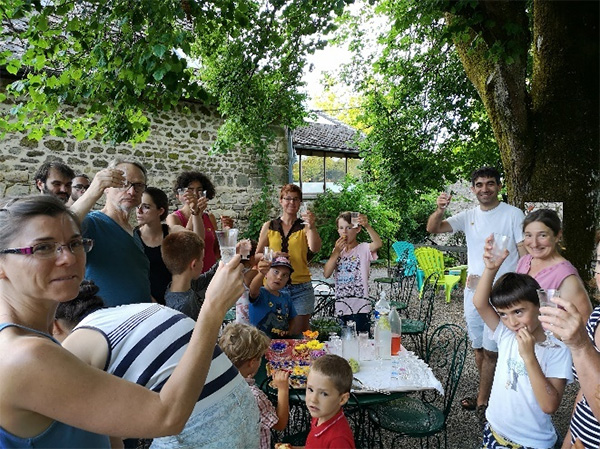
column 425, row 417
column 416, row 325
column 430, row 261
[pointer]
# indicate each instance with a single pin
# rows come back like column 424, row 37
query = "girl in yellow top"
column 295, row 238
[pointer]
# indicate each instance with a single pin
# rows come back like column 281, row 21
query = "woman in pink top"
column 196, row 184
column 542, row 231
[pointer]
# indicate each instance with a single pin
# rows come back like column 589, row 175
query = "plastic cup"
column 354, row 219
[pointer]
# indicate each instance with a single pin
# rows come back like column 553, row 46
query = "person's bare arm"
column 216, row 247
column 568, row 324
column 282, row 383
column 312, row 235
column 263, row 239
column 330, row 265
column 257, row 281
column 572, row 289
column 436, row 223
column 173, row 220
column 481, row 298
column 45, row 374
column 108, row 177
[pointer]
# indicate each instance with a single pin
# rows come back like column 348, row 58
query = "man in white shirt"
column 490, row 216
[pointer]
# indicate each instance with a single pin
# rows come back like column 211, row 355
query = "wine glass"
column 544, row 295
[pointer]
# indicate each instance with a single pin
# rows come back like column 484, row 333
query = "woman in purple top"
column 542, row 231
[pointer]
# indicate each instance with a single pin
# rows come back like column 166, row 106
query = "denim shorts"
column 479, row 333
column 303, row 297
column 231, row 423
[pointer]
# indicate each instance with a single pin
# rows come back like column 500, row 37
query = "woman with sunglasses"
column 295, row 238
column 48, row 397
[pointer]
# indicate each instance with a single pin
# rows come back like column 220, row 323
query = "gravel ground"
column 464, row 431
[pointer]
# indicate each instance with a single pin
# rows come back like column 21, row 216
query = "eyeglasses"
column 50, row 250
column 594, row 263
column 138, row 187
column 290, row 199
column 197, row 191
column 80, row 187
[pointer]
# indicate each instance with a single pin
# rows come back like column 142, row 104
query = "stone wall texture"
column 178, row 141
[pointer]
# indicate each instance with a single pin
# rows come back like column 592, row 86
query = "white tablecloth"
column 377, row 374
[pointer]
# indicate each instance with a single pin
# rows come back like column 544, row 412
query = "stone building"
column 177, row 141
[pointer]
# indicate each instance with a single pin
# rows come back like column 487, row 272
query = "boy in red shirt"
column 327, row 390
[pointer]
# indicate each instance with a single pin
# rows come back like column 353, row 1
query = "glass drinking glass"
column 227, row 242
column 544, row 295
column 268, row 254
column 449, row 192
column 500, row 245
column 302, row 211
column 354, row 219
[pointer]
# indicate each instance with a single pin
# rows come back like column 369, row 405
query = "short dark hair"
column 548, row 217
column 179, row 249
column 77, row 309
column 82, row 175
column 485, row 172
column 42, row 173
column 187, row 177
column 160, row 199
column 337, row 369
column 512, row 288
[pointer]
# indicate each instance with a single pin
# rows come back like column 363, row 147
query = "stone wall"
column 178, row 141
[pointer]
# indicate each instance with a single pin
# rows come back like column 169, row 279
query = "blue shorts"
column 232, row 422
column 303, row 297
column 479, row 333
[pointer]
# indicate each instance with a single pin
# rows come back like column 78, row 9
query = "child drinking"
column 271, row 310
column 245, row 346
column 351, row 262
column 327, row 390
column 530, row 379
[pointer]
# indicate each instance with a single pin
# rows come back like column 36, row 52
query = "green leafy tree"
column 117, row 61
column 459, row 84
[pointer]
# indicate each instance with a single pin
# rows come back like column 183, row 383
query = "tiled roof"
column 327, row 135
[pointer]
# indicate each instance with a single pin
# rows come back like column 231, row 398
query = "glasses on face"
column 138, row 187
column 194, row 191
column 80, row 187
column 594, row 264
column 50, row 250
column 291, row 199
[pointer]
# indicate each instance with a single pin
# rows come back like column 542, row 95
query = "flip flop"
column 469, row 403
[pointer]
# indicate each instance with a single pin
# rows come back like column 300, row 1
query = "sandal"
column 469, row 403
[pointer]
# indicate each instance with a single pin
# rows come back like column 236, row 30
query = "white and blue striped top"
column 583, row 423
column 146, row 342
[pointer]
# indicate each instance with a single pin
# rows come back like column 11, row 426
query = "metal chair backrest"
column 445, row 354
column 324, row 299
column 428, row 299
column 405, row 257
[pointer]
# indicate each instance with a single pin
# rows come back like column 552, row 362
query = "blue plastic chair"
column 405, row 253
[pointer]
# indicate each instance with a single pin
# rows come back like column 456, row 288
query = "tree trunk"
column 548, row 137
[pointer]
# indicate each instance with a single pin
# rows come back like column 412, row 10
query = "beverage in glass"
column 500, row 245
column 227, row 242
column 354, row 219
column 302, row 211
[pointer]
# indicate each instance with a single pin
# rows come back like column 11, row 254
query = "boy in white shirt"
column 529, row 380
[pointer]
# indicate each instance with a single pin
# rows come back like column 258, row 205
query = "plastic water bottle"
column 396, row 328
column 383, row 331
column 381, row 306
